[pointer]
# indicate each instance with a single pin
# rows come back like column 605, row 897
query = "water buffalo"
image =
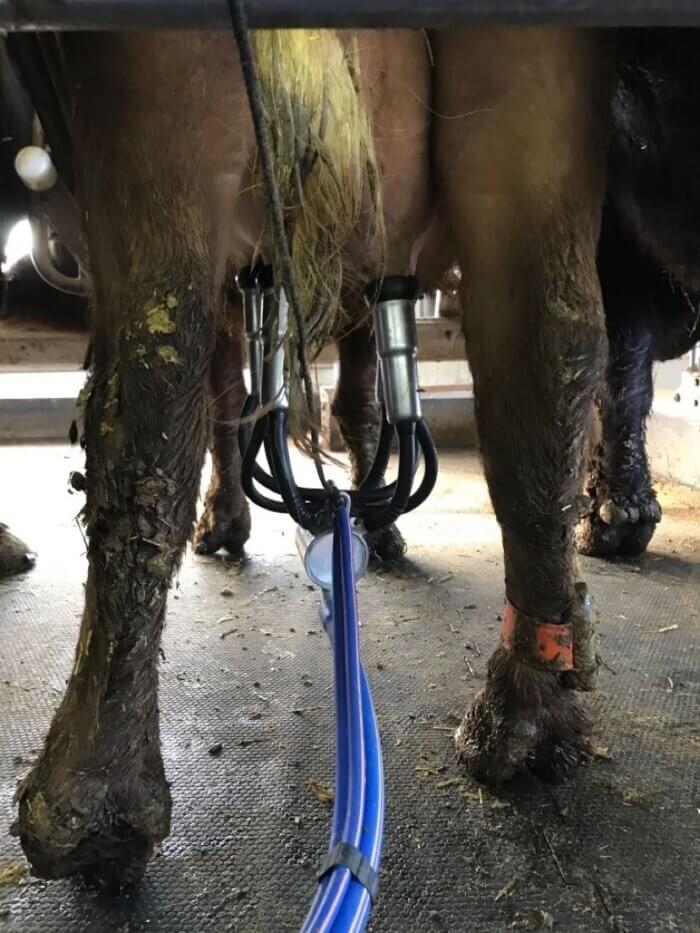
column 492, row 147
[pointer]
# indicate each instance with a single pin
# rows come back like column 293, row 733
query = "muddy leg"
column 624, row 511
column 225, row 522
column 524, row 181
column 97, row 801
column 638, row 301
column 358, row 414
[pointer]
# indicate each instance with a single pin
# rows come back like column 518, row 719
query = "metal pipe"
column 275, row 314
column 17, row 15
column 397, row 347
column 44, row 265
column 252, row 324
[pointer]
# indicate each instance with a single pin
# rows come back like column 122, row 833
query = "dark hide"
column 653, row 180
column 225, row 521
column 649, row 266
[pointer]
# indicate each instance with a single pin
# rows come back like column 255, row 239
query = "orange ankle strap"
column 547, row 644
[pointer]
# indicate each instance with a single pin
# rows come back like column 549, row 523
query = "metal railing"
column 213, row 14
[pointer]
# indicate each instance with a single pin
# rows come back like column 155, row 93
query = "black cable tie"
column 348, row 856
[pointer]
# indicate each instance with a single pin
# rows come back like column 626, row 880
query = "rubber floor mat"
column 615, row 849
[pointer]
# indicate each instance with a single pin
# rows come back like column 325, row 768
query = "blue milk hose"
column 342, row 904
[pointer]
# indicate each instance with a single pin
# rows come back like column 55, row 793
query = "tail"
column 325, row 167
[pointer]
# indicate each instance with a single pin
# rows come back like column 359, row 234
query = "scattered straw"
column 320, row 791
column 13, row 872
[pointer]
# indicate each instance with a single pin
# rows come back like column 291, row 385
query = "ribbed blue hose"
column 356, row 905
column 321, row 905
column 349, row 808
column 355, row 909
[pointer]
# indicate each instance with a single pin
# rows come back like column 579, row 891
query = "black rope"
column 239, row 22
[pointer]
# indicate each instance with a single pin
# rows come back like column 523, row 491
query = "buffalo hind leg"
column 97, row 800
column 624, row 512
column 358, row 416
column 225, row 521
column 523, row 175
column 640, row 304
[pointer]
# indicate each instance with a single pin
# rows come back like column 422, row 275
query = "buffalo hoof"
column 524, row 719
column 101, row 823
column 386, row 544
column 15, row 556
column 225, row 523
column 619, row 527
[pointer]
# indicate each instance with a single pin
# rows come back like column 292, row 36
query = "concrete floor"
column 615, row 849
